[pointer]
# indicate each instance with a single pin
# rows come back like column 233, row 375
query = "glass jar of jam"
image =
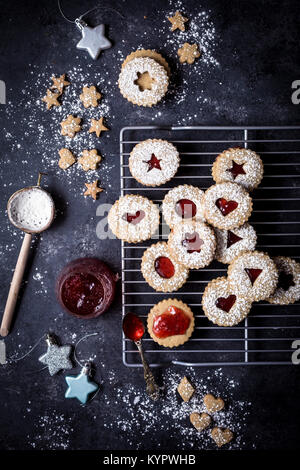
column 86, row 287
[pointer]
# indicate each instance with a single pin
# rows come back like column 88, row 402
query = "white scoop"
column 31, row 210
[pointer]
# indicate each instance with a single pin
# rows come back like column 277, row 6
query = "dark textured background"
column 257, row 48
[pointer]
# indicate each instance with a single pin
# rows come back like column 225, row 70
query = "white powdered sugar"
column 142, row 153
column 184, row 191
column 224, row 252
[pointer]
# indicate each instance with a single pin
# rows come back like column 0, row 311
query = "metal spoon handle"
column 152, row 388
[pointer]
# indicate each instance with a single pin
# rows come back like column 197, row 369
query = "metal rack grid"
column 265, row 337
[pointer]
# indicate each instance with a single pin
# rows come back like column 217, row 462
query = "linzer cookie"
column 227, row 205
column 133, row 218
column 238, row 165
column 153, row 162
column 222, row 305
column 161, row 271
column 170, row 323
column 234, row 242
column 192, row 243
column 144, row 78
column 253, row 275
column 181, row 203
column 288, row 286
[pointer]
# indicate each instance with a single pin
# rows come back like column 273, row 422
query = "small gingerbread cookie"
column 212, row 404
column 59, row 83
column 188, row 53
column 89, row 159
column 93, row 189
column 238, row 165
column 181, row 203
column 161, row 271
column 177, row 21
column 192, row 243
column 133, row 218
column 67, row 159
column 288, row 286
column 185, row 389
column 153, row 162
column 227, row 205
column 253, row 275
column 51, row 99
column 70, row 126
column 234, row 242
column 222, row 305
column 200, row 421
column 221, row 436
column 97, row 126
column 90, row 96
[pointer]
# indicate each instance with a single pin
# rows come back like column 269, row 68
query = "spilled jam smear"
column 174, row 321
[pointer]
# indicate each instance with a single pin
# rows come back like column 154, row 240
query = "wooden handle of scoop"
column 15, row 285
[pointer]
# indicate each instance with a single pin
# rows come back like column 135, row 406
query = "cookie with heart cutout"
column 192, row 244
column 133, row 218
column 288, row 286
column 227, row 205
column 153, row 162
column 253, row 275
column 182, row 203
column 161, row 270
column 222, row 305
column 238, row 165
column 234, row 242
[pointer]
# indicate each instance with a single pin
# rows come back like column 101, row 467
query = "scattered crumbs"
column 52, row 432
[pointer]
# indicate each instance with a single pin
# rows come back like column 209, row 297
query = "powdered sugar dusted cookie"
column 183, row 202
column 288, row 287
column 234, row 242
column 253, row 275
column 153, row 162
column 238, row 165
column 133, row 218
column 227, row 205
column 143, row 81
column 222, row 305
column 192, row 243
column 161, row 270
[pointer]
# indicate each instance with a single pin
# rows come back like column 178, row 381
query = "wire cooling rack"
column 266, row 336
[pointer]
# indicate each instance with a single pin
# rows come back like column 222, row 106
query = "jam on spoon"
column 153, row 163
column 185, row 208
column 226, row 303
column 226, row 206
column 173, row 321
column 232, row 238
column 253, row 274
column 164, row 267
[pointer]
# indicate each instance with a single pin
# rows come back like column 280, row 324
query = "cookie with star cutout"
column 153, row 162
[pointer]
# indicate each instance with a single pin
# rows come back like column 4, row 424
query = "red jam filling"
column 133, row 327
column 226, row 303
column 192, row 242
column 285, row 281
column 153, row 163
column 82, row 293
column 173, row 321
column 232, row 238
column 226, row 206
column 236, row 169
column 185, row 208
column 253, row 274
column 133, row 219
column 164, row 267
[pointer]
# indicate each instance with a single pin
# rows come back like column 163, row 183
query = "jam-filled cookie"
column 234, row 242
column 133, row 218
column 253, row 275
column 227, row 205
column 144, row 77
column 288, row 286
column 183, row 202
column 161, row 270
column 238, row 165
column 222, row 305
column 192, row 243
column 170, row 323
column 153, row 162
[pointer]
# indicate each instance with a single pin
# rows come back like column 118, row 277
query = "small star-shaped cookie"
column 97, row 126
column 67, row 158
column 90, row 96
column 70, row 126
column 92, row 189
column 177, row 21
column 59, row 83
column 51, row 99
column 188, row 53
column 89, row 159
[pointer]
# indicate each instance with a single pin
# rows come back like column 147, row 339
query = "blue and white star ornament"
column 81, row 386
column 57, row 357
column 93, row 39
